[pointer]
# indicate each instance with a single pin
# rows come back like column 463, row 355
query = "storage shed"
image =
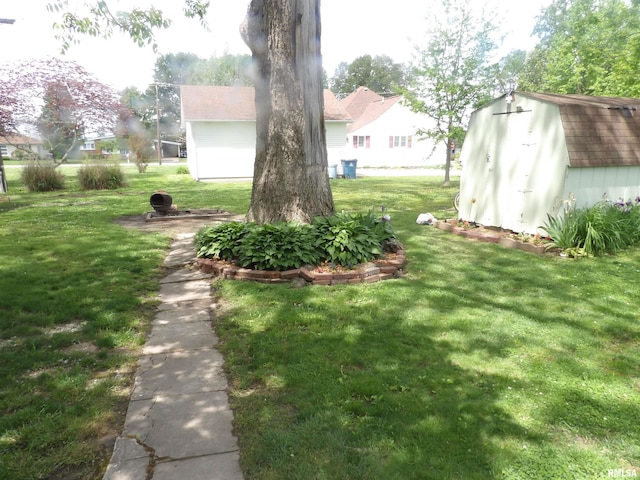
column 220, row 125
column 526, row 154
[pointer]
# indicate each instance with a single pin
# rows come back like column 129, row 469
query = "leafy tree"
column 379, row 73
column 135, row 125
column 290, row 173
column 56, row 124
column 586, row 47
column 71, row 102
column 227, row 70
column 451, row 75
column 171, row 71
column 506, row 72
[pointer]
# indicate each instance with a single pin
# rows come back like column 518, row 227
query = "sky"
column 350, row 28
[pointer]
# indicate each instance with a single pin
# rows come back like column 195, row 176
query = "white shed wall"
column 514, row 165
column 589, row 185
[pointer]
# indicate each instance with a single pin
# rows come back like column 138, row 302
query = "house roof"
column 366, row 106
column 214, row 103
column 599, row 131
column 19, row 140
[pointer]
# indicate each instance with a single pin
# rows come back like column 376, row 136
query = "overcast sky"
column 350, row 28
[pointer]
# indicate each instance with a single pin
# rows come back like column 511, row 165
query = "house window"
column 89, row 145
column 361, row 141
column 3, row 151
column 400, row 141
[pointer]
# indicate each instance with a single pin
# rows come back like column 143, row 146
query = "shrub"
column 222, row 241
column 182, row 170
column 349, row 239
column 603, row 228
column 42, row 178
column 101, row 177
column 343, row 239
column 279, row 246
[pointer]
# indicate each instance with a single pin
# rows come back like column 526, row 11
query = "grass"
column 481, row 363
column 77, row 293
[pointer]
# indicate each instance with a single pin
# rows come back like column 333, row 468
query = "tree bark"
column 447, row 164
column 290, row 180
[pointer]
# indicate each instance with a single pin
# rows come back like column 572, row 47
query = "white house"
column 526, row 154
column 13, row 146
column 220, row 125
column 383, row 133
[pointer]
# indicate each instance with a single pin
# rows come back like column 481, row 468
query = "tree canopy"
column 452, row 73
column 586, row 47
column 57, row 99
column 379, row 73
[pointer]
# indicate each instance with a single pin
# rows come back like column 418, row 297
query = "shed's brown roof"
column 213, row 103
column 599, row 131
column 366, row 106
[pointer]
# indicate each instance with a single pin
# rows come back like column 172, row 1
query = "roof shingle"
column 599, row 131
column 214, row 103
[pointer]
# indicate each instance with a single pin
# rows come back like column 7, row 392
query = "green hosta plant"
column 349, row 239
column 343, row 239
column 279, row 246
column 222, row 241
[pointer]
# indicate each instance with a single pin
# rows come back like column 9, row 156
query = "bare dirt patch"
column 174, row 225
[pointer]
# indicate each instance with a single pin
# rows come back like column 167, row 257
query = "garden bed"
column 391, row 265
column 505, row 238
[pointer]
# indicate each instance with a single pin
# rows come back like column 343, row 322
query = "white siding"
column 514, row 165
column 336, row 133
column 397, row 121
column 228, row 149
column 221, row 149
column 588, row 185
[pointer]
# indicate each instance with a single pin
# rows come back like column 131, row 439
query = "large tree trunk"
column 290, row 179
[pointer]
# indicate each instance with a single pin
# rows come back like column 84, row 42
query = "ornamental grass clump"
column 101, row 177
column 606, row 227
column 42, row 178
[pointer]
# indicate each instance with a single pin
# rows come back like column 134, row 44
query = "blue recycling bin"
column 349, row 168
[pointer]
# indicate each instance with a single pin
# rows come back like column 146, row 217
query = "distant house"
column 93, row 146
column 220, row 125
column 525, row 154
column 14, row 146
column 383, row 133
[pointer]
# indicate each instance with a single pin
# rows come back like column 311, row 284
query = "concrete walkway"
column 178, row 424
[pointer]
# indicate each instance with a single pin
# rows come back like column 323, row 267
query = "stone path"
column 179, row 424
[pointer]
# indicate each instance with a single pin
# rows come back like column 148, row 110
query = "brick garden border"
column 491, row 236
column 383, row 269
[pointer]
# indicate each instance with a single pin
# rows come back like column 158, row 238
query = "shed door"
column 520, row 189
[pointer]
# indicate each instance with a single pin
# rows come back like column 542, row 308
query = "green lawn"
column 481, row 363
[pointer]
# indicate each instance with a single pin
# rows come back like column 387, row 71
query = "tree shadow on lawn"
column 361, row 395
column 459, row 370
